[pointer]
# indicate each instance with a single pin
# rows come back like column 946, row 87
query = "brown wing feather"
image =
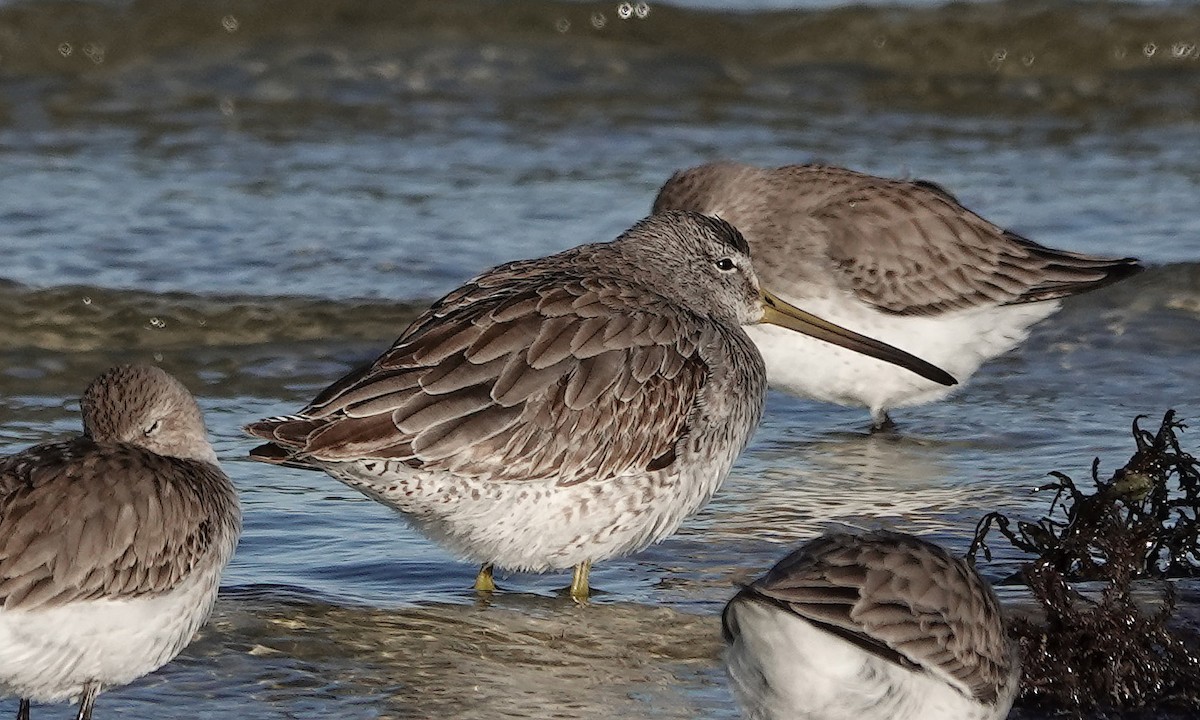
column 901, row 597
column 905, row 247
column 81, row 520
column 910, row 248
column 515, row 382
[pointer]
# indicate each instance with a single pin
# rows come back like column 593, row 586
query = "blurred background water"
column 261, row 194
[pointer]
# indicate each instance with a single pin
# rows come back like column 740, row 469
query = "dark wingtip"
column 270, row 453
column 1114, row 270
column 273, row 454
column 1076, row 272
column 1124, row 268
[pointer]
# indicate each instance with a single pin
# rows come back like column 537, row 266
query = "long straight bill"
column 778, row 312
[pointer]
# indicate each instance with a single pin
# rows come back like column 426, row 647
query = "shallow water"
column 261, row 195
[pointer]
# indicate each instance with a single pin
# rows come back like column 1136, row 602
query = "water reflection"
column 521, row 656
column 794, row 488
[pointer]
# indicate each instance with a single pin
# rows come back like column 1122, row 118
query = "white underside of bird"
column 49, row 654
column 958, row 342
column 784, row 668
column 540, row 525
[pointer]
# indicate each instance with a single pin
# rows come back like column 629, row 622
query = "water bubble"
column 1149, row 49
column 997, row 59
column 158, row 357
column 1182, row 49
column 87, row 300
column 157, row 322
column 230, row 23
column 641, row 9
column 598, row 20
column 1027, row 59
column 94, row 52
column 227, row 107
column 625, row 10
column 65, row 49
column 562, row 25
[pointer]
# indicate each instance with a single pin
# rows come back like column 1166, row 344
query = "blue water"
column 251, row 209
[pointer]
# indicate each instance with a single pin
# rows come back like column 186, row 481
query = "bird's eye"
column 725, row 264
column 153, row 427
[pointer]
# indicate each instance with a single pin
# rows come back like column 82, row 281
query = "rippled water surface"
column 260, row 195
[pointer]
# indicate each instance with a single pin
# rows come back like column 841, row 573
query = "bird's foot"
column 579, row 582
column 484, row 582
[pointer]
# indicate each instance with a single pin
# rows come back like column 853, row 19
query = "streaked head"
column 700, row 262
column 703, row 263
column 143, row 405
column 727, row 189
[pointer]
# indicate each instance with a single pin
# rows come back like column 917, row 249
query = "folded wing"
column 81, row 520
column 910, row 248
column 514, row 382
column 901, row 599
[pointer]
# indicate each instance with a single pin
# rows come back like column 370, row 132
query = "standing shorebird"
column 899, row 260
column 111, row 544
column 555, row 412
column 878, row 626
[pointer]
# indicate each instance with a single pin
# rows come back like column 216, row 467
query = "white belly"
column 537, row 525
column 783, row 668
column 50, row 654
column 958, row 343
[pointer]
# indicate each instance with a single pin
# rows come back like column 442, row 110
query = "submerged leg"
column 483, row 581
column 579, row 581
column 23, row 710
column 90, row 691
column 882, row 423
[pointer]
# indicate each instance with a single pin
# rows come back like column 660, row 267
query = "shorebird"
column 555, row 412
column 899, row 260
column 112, row 543
column 875, row 626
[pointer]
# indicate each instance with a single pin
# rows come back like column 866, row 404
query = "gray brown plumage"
column 614, row 365
column 907, row 247
column 111, row 543
column 84, row 520
column 544, row 381
column 901, row 260
column 907, row 604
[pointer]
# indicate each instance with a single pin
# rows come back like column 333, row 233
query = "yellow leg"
column 483, row 581
column 579, row 581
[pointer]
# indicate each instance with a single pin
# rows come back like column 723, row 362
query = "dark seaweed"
column 1110, row 652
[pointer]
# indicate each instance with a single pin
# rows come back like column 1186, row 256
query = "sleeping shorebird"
column 876, row 626
column 898, row 260
column 111, row 544
column 555, row 412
